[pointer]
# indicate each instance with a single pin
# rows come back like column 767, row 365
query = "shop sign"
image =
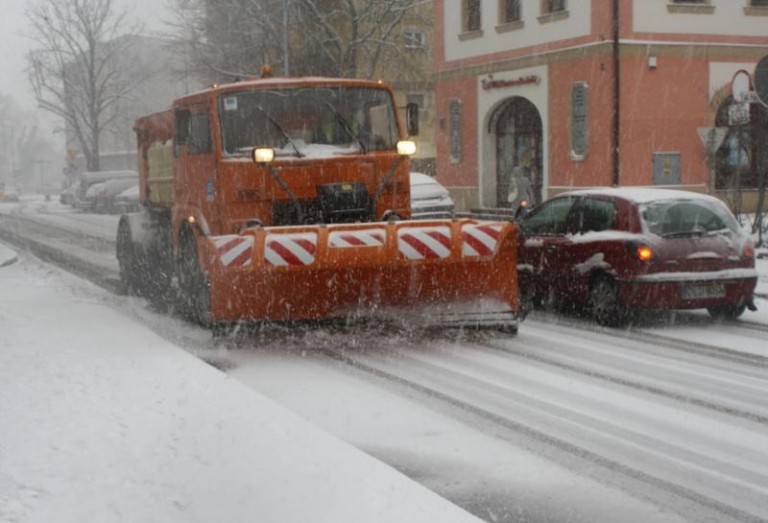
column 489, row 83
column 666, row 168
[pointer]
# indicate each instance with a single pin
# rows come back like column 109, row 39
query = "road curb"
column 73, row 264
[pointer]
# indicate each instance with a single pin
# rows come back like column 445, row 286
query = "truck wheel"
column 604, row 303
column 127, row 260
column 193, row 283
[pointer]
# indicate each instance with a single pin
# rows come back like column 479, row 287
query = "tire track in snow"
column 583, row 425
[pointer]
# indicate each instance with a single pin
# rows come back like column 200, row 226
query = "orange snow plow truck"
column 284, row 200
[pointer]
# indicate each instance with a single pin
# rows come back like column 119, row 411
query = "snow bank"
column 103, row 420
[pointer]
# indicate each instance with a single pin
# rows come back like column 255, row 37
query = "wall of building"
column 732, row 19
column 458, row 174
column 595, row 69
column 675, row 66
column 494, row 36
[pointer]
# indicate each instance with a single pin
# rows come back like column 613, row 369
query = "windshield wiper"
column 282, row 131
column 345, row 125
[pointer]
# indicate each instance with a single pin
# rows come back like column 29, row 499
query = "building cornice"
column 628, row 47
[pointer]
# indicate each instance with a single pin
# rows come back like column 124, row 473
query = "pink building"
column 597, row 92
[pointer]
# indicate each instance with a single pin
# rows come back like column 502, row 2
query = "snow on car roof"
column 421, row 178
column 642, row 194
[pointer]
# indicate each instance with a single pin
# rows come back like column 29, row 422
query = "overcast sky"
column 13, row 45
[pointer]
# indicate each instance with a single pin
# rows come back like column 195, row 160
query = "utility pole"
column 286, row 71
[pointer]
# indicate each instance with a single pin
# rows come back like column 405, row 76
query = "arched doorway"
column 518, row 130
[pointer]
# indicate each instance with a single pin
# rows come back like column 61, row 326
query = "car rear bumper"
column 689, row 290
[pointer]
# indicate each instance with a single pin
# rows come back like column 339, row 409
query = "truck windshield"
column 308, row 121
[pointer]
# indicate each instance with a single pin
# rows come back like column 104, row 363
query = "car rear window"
column 681, row 218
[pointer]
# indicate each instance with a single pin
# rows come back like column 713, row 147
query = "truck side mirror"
column 412, row 119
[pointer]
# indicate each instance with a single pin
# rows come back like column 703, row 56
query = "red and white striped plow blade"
column 480, row 239
column 234, row 250
column 285, row 249
column 419, row 243
column 362, row 238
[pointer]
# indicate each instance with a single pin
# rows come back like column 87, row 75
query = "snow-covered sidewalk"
column 113, row 423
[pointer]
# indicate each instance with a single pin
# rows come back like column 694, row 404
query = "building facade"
column 582, row 93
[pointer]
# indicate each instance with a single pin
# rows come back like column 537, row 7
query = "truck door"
column 195, row 165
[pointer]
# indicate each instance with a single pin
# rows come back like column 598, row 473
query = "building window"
column 579, row 120
column 454, row 112
column 553, row 10
column 415, row 98
column 414, row 39
column 471, row 16
column 756, row 8
column 510, row 11
column 690, row 6
column 552, row 6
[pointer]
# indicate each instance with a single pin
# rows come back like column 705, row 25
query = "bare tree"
column 228, row 39
column 80, row 71
column 353, row 35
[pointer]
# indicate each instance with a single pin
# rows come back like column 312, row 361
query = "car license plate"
column 703, row 291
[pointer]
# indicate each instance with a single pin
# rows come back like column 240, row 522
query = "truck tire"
column 143, row 271
column 193, row 283
column 128, row 262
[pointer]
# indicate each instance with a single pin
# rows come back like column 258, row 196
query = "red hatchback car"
column 617, row 250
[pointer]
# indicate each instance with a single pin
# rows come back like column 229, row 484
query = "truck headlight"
column 406, row 148
column 263, row 154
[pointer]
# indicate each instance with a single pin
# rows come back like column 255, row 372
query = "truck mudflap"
column 460, row 272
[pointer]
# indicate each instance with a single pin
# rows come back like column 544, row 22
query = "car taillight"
column 748, row 251
column 644, row 253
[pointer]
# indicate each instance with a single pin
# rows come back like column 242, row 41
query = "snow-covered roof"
column 276, row 82
column 643, row 194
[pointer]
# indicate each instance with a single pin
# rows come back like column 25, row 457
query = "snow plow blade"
column 445, row 273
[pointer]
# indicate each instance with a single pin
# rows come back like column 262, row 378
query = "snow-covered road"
column 667, row 421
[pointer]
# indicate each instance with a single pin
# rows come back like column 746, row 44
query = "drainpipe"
column 616, row 95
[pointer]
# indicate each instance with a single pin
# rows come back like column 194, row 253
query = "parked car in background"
column 106, row 199
column 67, row 195
column 128, row 200
column 87, row 203
column 613, row 251
column 429, row 199
column 77, row 196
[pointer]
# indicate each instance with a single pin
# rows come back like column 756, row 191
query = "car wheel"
column 604, row 303
column 726, row 312
column 193, row 283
